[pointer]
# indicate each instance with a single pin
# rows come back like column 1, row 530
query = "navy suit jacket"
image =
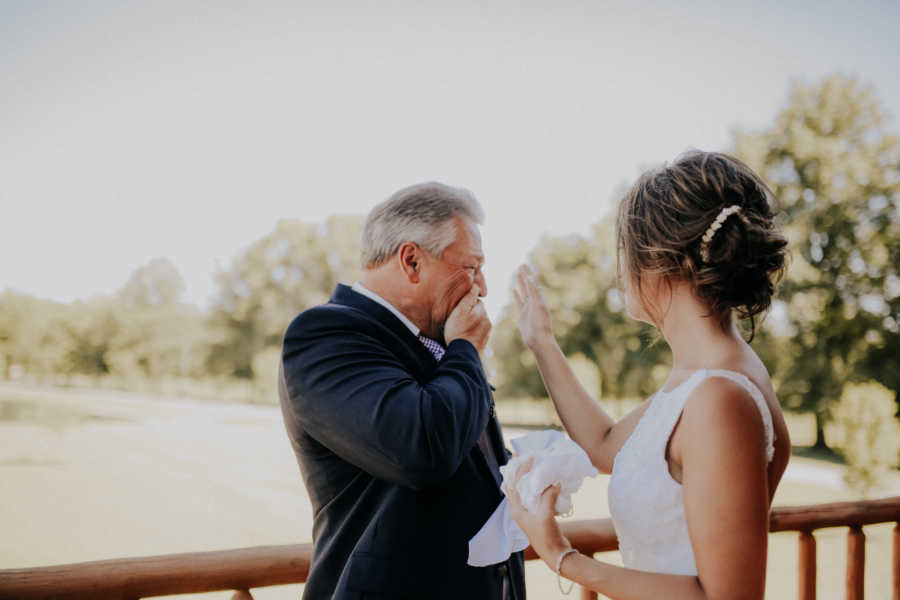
column 386, row 439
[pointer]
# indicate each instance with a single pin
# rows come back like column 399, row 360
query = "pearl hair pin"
column 714, row 227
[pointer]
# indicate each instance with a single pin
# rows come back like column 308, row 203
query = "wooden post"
column 242, row 595
column 897, row 561
column 806, row 568
column 856, row 561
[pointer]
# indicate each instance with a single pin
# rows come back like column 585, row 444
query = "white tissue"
column 557, row 459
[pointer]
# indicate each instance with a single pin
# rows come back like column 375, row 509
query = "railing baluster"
column 897, row 561
column 806, row 568
column 856, row 561
column 242, row 595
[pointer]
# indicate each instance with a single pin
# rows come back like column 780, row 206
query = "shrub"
column 866, row 432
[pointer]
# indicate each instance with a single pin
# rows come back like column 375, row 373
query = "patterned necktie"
column 435, row 348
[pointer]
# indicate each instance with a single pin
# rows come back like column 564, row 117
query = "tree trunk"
column 820, row 433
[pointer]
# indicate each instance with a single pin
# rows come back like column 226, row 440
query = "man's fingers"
column 475, row 295
column 471, row 302
column 460, row 281
column 465, row 301
column 470, row 297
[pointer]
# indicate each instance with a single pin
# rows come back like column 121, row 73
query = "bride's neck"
column 697, row 338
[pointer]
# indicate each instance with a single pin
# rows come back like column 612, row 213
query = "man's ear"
column 410, row 257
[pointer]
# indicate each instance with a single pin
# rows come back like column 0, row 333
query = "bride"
column 694, row 467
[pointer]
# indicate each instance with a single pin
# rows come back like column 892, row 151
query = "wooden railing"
column 247, row 568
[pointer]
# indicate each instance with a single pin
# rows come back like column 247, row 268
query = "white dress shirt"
column 359, row 288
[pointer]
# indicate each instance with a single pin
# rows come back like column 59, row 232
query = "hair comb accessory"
column 714, row 227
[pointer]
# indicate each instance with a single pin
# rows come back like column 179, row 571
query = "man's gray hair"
column 424, row 214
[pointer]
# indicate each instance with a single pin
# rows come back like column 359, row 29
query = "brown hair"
column 662, row 220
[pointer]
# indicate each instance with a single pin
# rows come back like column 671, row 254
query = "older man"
column 390, row 414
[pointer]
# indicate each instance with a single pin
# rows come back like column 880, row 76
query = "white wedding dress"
column 646, row 504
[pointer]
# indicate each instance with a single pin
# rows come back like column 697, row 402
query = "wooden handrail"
column 143, row 577
column 246, row 568
column 839, row 514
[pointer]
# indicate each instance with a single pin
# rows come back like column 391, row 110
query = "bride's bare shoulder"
column 720, row 413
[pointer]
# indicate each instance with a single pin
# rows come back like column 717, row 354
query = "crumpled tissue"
column 557, row 459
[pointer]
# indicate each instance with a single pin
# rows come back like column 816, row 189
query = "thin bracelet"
column 559, row 560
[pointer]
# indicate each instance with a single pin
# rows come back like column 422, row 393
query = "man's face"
column 450, row 277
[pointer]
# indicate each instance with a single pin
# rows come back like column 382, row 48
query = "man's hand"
column 469, row 321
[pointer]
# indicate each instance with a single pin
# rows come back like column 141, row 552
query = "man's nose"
column 481, row 283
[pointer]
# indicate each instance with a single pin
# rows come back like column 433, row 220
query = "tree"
column 33, row 338
column 143, row 331
column 291, row 269
column 578, row 276
column 158, row 283
column 866, row 432
column 157, row 335
column 836, row 171
column 91, row 326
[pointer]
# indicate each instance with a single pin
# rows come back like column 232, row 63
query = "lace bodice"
column 646, row 504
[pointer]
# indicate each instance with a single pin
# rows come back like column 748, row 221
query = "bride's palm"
column 534, row 316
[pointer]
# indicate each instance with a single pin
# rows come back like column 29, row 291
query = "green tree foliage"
column 836, row 172
column 158, row 283
column 578, row 275
column 143, row 331
column 33, row 337
column 156, row 335
column 866, row 432
column 294, row 267
column 91, row 327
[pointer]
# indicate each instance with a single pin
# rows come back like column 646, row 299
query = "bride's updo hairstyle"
column 706, row 219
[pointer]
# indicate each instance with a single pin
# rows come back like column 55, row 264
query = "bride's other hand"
column 534, row 316
column 541, row 527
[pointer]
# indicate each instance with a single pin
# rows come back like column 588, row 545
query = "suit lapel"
column 423, row 360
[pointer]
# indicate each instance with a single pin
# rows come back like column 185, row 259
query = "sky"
column 185, row 130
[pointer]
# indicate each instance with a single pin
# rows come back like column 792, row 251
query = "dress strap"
column 760, row 400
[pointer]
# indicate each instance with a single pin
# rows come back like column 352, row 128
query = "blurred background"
column 179, row 179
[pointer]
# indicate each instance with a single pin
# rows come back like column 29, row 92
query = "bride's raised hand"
column 534, row 316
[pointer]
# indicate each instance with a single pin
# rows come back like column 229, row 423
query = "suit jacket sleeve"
column 352, row 394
